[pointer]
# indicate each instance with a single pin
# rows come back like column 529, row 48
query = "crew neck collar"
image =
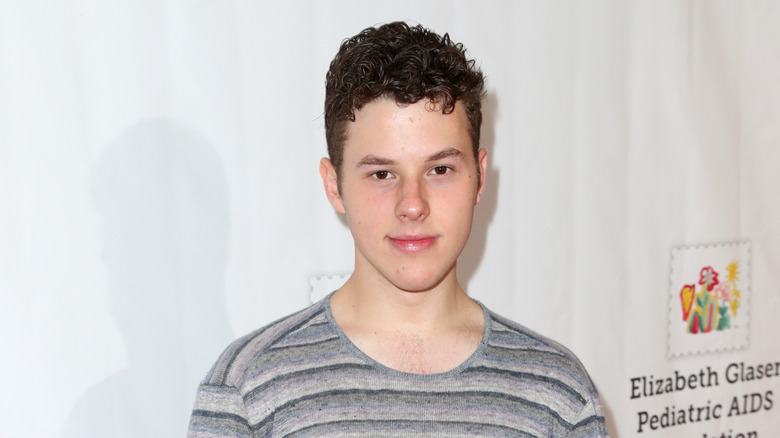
column 391, row 371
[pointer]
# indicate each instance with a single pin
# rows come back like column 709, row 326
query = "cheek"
column 458, row 212
column 364, row 217
column 456, row 202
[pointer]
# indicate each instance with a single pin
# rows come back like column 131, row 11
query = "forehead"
column 384, row 127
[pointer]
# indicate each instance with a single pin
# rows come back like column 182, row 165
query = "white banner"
column 159, row 197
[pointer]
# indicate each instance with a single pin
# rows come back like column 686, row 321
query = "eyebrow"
column 446, row 153
column 374, row 160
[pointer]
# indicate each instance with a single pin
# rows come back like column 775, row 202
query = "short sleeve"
column 219, row 412
column 590, row 422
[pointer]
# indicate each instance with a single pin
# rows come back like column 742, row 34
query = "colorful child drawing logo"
column 709, row 298
column 716, row 302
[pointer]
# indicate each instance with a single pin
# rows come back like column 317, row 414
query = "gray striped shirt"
column 300, row 376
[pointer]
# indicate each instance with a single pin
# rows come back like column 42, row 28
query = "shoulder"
column 249, row 352
column 510, row 334
column 514, row 346
column 544, row 378
column 547, row 373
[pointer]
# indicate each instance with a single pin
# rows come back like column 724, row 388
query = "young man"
column 400, row 349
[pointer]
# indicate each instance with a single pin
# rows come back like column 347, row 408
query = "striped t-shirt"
column 302, row 377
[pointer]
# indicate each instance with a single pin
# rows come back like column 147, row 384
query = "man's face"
column 409, row 184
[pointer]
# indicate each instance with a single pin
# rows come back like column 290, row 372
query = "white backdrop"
column 159, row 193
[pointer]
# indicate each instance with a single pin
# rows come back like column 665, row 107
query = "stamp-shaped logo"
column 709, row 298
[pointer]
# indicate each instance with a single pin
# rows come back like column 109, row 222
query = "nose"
column 413, row 202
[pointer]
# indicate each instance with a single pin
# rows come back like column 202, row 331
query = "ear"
column 331, row 182
column 482, row 163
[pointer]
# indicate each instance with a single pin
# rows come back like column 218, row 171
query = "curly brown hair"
column 406, row 64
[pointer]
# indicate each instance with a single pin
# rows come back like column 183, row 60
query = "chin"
column 417, row 284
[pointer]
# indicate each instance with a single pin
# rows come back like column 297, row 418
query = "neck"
column 366, row 302
column 424, row 332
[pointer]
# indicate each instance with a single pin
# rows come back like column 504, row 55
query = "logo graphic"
column 716, row 302
column 708, row 293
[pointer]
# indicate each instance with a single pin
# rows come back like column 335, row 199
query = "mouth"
column 412, row 244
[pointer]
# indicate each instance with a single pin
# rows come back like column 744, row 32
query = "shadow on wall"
column 162, row 192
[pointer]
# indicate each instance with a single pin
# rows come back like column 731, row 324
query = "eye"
column 381, row 174
column 440, row 170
